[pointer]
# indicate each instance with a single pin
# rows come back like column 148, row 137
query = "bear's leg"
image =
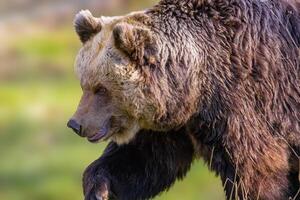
column 271, row 188
column 244, row 185
column 280, row 184
column 141, row 169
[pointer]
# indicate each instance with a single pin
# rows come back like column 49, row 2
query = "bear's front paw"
column 96, row 187
column 98, row 192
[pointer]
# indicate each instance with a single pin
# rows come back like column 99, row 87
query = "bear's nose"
column 74, row 126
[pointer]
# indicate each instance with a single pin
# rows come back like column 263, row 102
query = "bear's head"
column 123, row 90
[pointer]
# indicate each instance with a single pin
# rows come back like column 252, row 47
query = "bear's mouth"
column 102, row 134
column 97, row 137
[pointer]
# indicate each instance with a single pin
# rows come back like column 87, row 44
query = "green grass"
column 40, row 157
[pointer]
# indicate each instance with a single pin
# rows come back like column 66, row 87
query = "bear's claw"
column 95, row 185
column 98, row 193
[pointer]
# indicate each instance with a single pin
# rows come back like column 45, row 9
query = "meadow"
column 40, row 158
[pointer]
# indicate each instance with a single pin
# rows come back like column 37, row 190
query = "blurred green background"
column 40, row 159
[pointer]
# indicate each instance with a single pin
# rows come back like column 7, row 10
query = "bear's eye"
column 100, row 90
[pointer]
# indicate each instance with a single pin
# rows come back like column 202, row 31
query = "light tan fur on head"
column 132, row 62
column 108, row 61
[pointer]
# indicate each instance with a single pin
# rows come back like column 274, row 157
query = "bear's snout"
column 75, row 127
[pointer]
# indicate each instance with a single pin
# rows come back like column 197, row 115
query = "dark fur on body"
column 233, row 69
column 145, row 167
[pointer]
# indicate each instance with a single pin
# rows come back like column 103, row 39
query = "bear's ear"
column 136, row 42
column 86, row 25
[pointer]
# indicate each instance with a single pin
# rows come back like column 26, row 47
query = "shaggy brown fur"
column 248, row 80
column 223, row 75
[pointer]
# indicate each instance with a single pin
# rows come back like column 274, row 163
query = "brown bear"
column 216, row 79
